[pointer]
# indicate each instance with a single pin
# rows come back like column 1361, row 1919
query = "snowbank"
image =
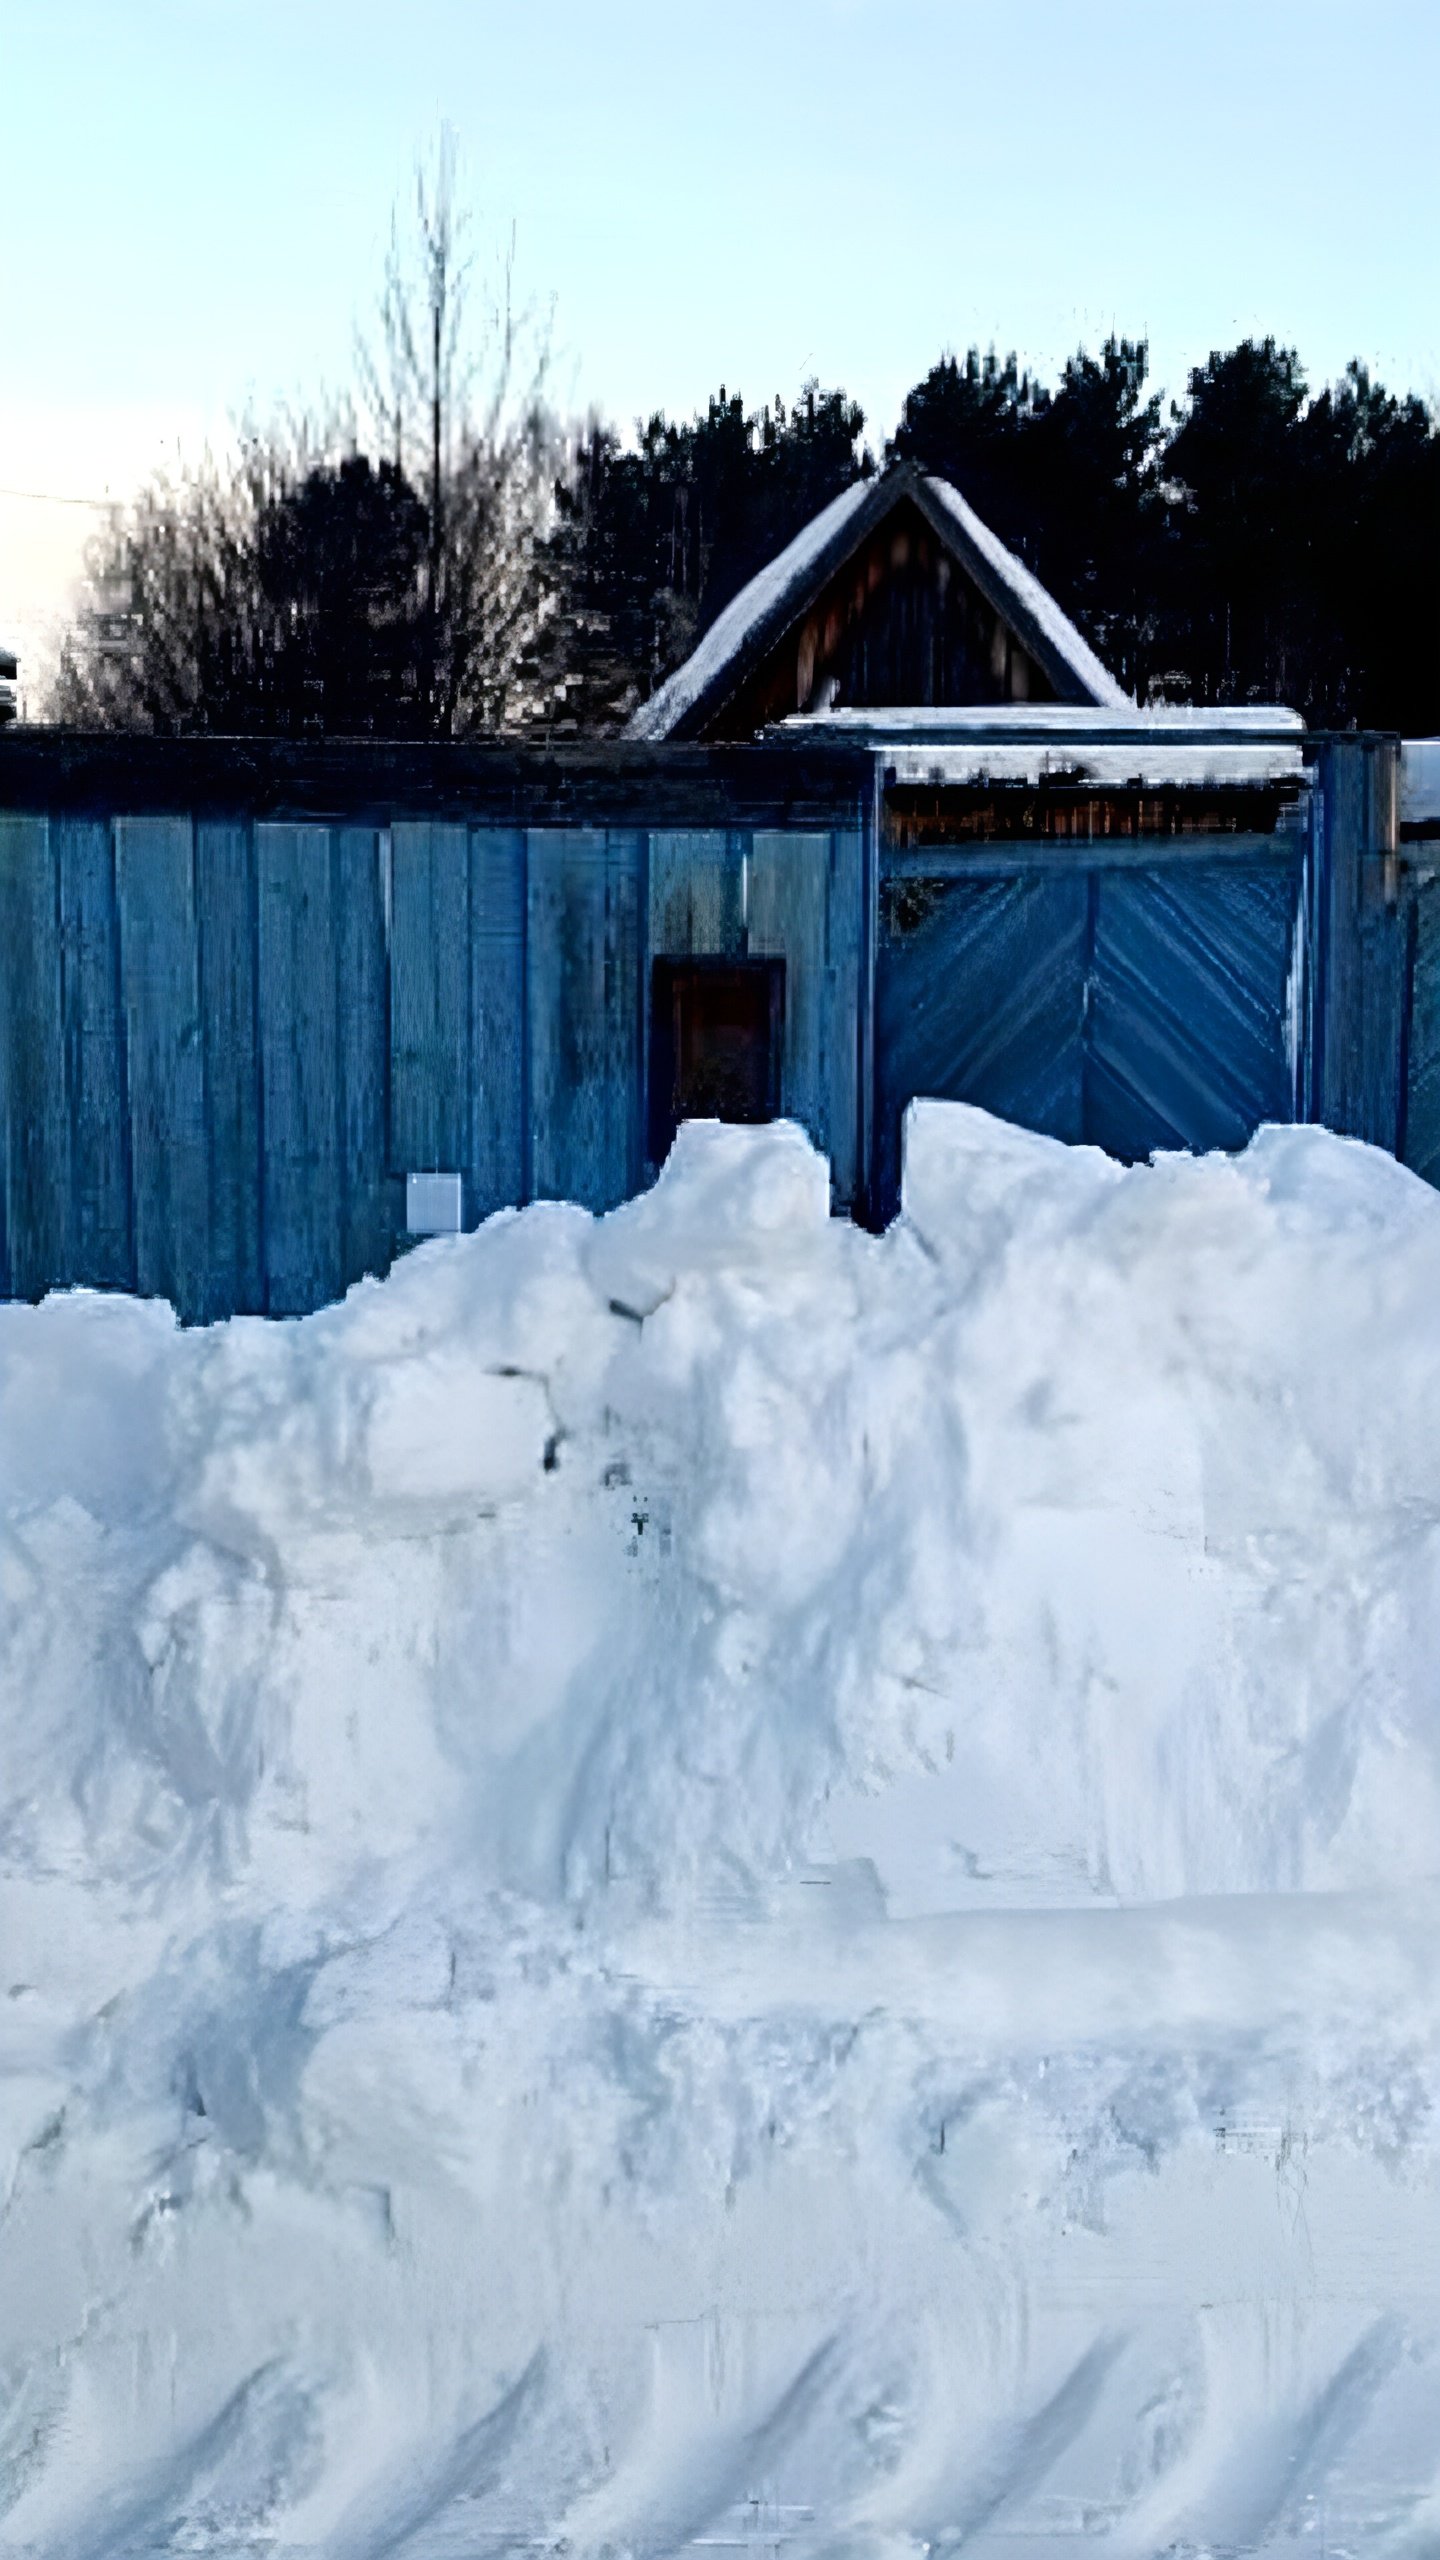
column 695, row 1879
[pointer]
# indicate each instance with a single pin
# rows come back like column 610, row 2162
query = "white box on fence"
column 432, row 1204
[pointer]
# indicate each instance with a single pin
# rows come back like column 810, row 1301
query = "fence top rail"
column 377, row 780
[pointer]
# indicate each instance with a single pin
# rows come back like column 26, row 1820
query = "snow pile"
column 699, row 1880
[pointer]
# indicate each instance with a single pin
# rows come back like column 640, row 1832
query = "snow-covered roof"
column 775, row 595
column 1111, row 746
column 1017, row 594
column 780, row 593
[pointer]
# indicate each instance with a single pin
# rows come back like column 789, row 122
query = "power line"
column 55, row 498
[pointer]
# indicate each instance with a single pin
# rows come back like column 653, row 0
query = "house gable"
column 897, row 594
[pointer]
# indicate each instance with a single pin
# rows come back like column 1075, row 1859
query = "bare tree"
column 184, row 624
column 454, row 379
column 303, row 583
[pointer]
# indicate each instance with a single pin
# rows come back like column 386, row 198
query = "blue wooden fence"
column 228, row 1032
column 226, row 1039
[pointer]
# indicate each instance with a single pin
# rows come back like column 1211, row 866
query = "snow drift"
column 696, row 1880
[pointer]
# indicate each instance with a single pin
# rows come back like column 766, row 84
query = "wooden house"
column 8, row 674
column 897, row 595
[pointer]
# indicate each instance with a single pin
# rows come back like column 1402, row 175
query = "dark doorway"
column 716, row 1028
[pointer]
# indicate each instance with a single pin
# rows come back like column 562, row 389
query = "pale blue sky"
column 196, row 193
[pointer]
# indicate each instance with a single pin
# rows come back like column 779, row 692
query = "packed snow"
column 697, row 1881
column 1052, row 742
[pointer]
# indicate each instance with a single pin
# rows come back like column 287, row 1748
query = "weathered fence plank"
column 697, row 895
column 697, row 892
column 498, row 1155
column 34, row 1113
column 304, row 1255
column 789, row 902
column 165, row 1058
column 225, row 901
column 840, row 1012
column 1363, row 940
column 95, row 1054
column 585, row 1012
column 429, row 998
column 368, row 1220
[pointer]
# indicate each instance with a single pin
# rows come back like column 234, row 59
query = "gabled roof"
column 779, row 595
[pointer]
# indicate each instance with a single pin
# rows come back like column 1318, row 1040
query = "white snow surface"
column 701, row 1882
column 1057, row 742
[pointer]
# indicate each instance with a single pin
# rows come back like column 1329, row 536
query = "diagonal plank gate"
column 1150, row 1002
column 1170, row 992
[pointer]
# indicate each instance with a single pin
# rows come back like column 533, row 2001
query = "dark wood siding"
column 900, row 624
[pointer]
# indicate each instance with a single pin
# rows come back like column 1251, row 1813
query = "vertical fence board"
column 304, row 1265
column 33, row 1112
column 429, row 998
column 696, row 900
column 94, row 1040
column 840, row 1017
column 498, row 1171
column 789, row 903
column 584, row 945
column 165, row 1062
column 368, row 1239
column 225, row 900
column 695, row 905
column 1364, row 937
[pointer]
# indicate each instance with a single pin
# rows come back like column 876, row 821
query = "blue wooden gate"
column 1137, row 1001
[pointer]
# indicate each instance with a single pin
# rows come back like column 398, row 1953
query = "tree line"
column 443, row 557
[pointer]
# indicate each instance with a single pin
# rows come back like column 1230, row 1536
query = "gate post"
column 870, row 1209
column 1362, row 938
